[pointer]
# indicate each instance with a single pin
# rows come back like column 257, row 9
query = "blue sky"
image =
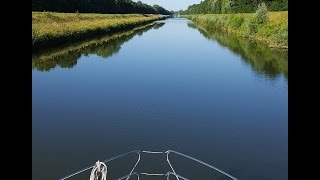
column 171, row 4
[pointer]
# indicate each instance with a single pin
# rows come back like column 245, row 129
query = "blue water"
column 168, row 87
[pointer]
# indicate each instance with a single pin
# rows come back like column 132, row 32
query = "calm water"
column 165, row 86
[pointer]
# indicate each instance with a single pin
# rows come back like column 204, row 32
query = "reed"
column 274, row 31
column 50, row 28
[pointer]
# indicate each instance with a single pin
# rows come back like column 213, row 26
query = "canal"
column 168, row 85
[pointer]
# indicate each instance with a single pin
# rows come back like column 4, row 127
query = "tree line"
column 234, row 6
column 97, row 6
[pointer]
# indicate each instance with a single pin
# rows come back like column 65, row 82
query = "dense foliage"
column 97, row 6
column 269, row 27
column 234, row 6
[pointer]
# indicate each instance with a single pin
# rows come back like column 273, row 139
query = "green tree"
column 96, row 6
column 235, row 6
column 261, row 14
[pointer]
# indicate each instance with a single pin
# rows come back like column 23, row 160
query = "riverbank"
column 67, row 55
column 274, row 32
column 50, row 28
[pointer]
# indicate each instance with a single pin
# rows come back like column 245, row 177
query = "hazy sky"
column 171, row 4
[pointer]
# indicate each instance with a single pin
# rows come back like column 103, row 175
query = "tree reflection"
column 263, row 59
column 67, row 56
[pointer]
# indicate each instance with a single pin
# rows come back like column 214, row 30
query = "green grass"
column 50, row 28
column 274, row 32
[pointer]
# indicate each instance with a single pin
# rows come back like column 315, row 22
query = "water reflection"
column 264, row 60
column 67, row 56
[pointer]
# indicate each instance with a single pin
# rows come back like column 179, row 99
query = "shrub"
column 215, row 6
column 261, row 15
column 281, row 37
column 35, row 35
column 236, row 21
column 225, row 6
column 252, row 26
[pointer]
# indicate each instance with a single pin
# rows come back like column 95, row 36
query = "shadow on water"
column 263, row 59
column 67, row 56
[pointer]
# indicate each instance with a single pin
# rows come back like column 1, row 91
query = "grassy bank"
column 274, row 32
column 56, row 28
column 67, row 55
